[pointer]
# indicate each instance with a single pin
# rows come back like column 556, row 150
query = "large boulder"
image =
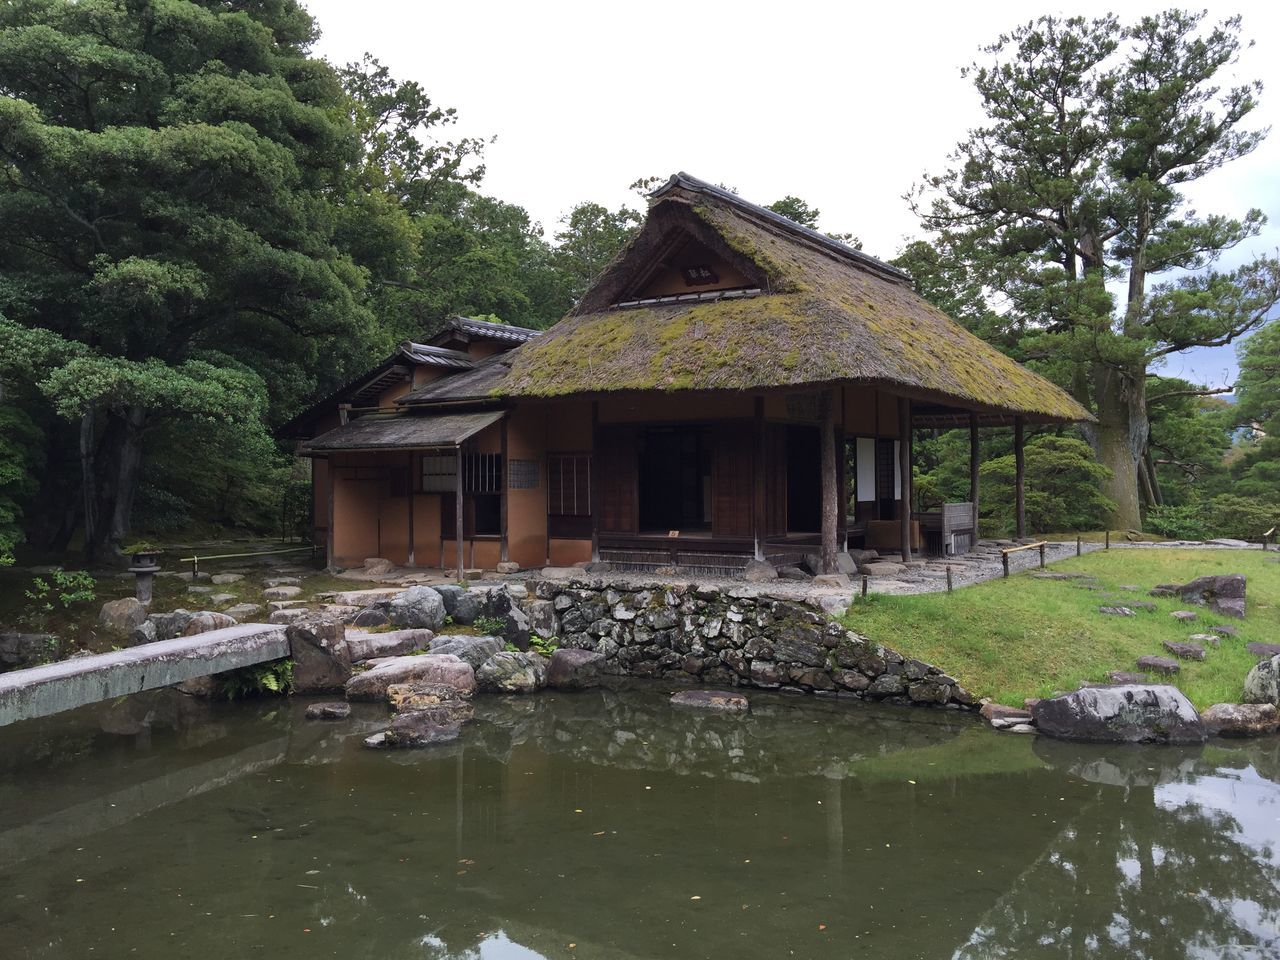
column 435, row 668
column 1262, row 684
column 321, row 659
column 1222, row 594
column 474, row 650
column 517, row 629
column 21, row 650
column 1242, row 719
column 512, row 673
column 542, row 618
column 717, row 701
column 122, row 616
column 417, row 607
column 422, row 694
column 420, row 728
column 1123, row 714
column 574, row 669
column 392, row 643
column 460, row 604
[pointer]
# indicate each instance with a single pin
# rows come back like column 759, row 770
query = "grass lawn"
column 1024, row 637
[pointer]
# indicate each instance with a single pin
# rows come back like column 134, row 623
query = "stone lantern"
column 145, row 567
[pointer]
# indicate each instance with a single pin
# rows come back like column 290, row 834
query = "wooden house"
column 733, row 387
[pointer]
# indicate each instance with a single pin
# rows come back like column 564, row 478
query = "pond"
column 609, row 824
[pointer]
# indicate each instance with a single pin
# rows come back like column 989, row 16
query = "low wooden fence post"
column 949, row 586
column 1004, row 559
column 864, row 585
column 1042, row 556
column 1078, row 550
column 1108, row 543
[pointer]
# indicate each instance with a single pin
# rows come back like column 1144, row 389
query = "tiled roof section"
column 478, row 383
column 489, row 330
column 435, row 356
column 402, row 431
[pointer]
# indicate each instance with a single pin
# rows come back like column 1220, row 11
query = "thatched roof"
column 819, row 313
column 402, row 432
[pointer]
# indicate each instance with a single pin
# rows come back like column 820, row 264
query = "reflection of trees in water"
column 1135, row 876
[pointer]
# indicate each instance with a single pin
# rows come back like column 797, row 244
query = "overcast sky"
column 842, row 104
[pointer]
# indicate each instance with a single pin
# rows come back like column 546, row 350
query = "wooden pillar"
column 412, row 562
column 1019, row 479
column 457, row 507
column 904, row 472
column 842, row 468
column 827, row 446
column 328, row 547
column 973, row 472
column 503, row 486
column 595, row 481
column 759, row 523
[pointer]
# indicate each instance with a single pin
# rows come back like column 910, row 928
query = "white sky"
column 842, row 104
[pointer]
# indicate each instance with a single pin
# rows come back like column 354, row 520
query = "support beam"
column 457, row 507
column 904, row 473
column 974, row 457
column 595, row 481
column 1019, row 479
column 328, row 546
column 412, row 561
column 842, row 487
column 758, row 521
column 830, row 483
column 504, row 486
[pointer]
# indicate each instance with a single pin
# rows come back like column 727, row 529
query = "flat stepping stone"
column 1117, row 611
column 1186, row 616
column 199, row 589
column 1143, row 605
column 222, row 579
column 1263, row 651
column 1131, row 587
column 1226, row 630
column 1185, row 650
column 882, row 568
column 288, row 616
column 1153, row 664
column 328, row 711
column 721, row 701
column 222, row 598
column 1210, row 639
column 281, row 582
column 281, row 593
column 1126, row 676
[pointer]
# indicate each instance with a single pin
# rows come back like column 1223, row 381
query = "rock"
column 328, row 711
column 417, row 607
column 422, row 728
column 1262, row 684
column 377, row 742
column 423, row 695
column 1241, row 719
column 758, row 571
column 598, row 566
column 1125, row 677
column 282, row 582
column 1117, row 611
column 474, row 650
column 281, row 593
column 243, row 611
column 1020, row 728
column 794, row 574
column 435, row 668
column 882, row 568
column 508, row 567
column 516, row 632
column 1263, row 650
column 846, row 564
column 205, row 620
column 574, row 669
column 223, row 579
column 1212, row 639
column 1186, row 616
column 543, row 620
column 1185, row 651
column 190, row 577
column 202, row 590
column 222, row 598
column 512, row 673
column 1225, row 630
column 122, row 616
column 720, row 701
column 1122, row 714
column 275, row 605
column 288, row 615
column 393, row 643
column 375, row 567
column 1223, row 593
column 321, row 659
column 1228, row 542
column 21, row 650
column 460, row 604
column 831, row 580
column 144, row 633
column 371, row 617
column 993, row 712
column 1153, row 664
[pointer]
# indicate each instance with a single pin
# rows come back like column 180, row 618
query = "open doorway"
column 675, row 479
column 804, row 486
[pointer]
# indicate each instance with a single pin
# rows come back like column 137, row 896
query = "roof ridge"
column 697, row 185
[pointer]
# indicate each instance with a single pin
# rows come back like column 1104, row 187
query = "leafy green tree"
column 1063, row 483
column 172, row 173
column 1190, row 436
column 590, row 236
column 1256, row 415
column 1094, row 131
column 793, row 208
column 21, row 464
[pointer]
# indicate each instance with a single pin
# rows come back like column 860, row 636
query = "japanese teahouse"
column 733, row 387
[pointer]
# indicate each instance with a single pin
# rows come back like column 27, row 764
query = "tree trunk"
column 120, row 465
column 1120, row 437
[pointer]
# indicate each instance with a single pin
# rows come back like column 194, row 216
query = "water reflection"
column 607, row 824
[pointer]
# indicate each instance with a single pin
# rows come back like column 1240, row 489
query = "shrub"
column 1241, row 518
column 1063, row 487
column 261, row 679
column 68, row 588
column 1178, row 523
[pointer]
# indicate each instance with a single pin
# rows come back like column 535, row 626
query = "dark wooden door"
column 617, row 469
column 732, row 482
column 775, row 480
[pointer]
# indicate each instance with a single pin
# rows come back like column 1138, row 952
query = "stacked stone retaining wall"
column 737, row 636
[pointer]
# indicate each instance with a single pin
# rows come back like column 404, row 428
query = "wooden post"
column 842, row 455
column 758, row 520
column 412, row 563
column 1107, row 546
column 595, row 481
column 1004, row 561
column 1019, row 479
column 949, row 585
column 457, row 507
column 830, row 496
column 973, row 472
column 1079, row 550
column 864, row 585
column 503, row 486
column 328, row 545
column 1042, row 556
column 904, row 470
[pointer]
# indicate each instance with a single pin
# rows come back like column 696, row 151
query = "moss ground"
column 1026, row 637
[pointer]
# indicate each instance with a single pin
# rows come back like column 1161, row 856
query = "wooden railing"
column 1004, row 553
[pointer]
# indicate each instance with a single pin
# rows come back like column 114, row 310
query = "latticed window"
column 569, row 484
column 439, row 472
column 482, row 472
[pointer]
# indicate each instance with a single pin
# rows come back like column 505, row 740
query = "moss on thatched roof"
column 822, row 316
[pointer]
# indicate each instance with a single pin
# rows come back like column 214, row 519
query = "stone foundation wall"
column 730, row 637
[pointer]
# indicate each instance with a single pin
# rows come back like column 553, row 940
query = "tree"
column 1062, row 487
column 171, row 177
column 797, row 210
column 1094, row 130
column 590, row 236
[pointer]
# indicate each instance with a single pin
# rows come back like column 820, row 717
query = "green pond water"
column 609, row 824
